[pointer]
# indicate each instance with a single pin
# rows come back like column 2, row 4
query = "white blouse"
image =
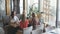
column 15, row 19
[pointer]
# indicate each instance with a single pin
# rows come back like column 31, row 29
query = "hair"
column 27, row 17
column 12, row 14
column 23, row 17
column 33, row 14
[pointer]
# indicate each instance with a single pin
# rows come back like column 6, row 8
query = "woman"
column 34, row 21
column 14, row 17
column 14, row 22
column 24, row 22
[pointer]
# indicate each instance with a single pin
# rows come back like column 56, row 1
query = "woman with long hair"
column 24, row 22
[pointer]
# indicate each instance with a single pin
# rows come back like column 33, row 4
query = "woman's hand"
column 14, row 24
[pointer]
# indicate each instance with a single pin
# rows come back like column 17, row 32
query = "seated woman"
column 34, row 21
column 14, row 19
column 14, row 23
column 24, row 22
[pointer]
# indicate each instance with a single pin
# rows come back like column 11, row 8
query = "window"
column 21, row 6
column 52, row 16
column 49, row 9
column 15, row 6
column 2, row 8
column 32, row 6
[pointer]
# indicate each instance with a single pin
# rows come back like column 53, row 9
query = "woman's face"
column 33, row 15
column 15, row 13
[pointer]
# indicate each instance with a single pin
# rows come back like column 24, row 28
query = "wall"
column 2, row 8
column 2, row 11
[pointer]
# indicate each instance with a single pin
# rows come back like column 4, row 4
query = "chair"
column 6, row 20
column 27, row 30
column 37, row 31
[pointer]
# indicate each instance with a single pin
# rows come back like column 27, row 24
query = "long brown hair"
column 23, row 17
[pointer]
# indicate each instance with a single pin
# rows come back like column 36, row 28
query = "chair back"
column 6, row 20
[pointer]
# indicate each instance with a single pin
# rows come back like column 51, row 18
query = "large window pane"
column 21, row 6
column 52, row 17
column 32, row 6
column 2, row 8
column 49, row 9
